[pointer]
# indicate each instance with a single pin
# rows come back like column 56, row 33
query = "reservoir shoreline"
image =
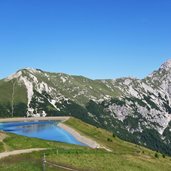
column 85, row 140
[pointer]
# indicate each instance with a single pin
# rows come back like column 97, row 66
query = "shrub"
column 109, row 140
column 156, row 155
column 114, row 135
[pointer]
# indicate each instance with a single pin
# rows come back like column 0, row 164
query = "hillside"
column 124, row 156
column 135, row 110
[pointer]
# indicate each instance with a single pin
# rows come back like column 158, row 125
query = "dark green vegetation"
column 148, row 137
column 124, row 156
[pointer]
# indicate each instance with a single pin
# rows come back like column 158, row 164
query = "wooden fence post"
column 44, row 162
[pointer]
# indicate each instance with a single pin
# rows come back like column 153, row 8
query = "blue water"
column 47, row 130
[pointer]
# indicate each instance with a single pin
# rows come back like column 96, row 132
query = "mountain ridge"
column 136, row 110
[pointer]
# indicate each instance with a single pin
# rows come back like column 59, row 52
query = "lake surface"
column 47, row 130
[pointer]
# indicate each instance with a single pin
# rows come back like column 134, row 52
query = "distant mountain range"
column 136, row 110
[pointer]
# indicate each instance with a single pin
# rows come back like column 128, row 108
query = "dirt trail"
column 2, row 136
column 16, row 152
column 58, row 118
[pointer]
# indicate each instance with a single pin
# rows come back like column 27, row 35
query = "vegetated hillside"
column 124, row 155
column 135, row 110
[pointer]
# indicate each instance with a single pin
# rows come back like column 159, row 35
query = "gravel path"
column 16, row 152
column 62, row 118
column 2, row 136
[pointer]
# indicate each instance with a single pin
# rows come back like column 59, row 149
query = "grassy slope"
column 125, row 156
column 6, row 92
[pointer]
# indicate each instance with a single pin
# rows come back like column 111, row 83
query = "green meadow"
column 124, row 156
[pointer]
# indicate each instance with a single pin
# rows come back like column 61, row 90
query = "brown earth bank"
column 58, row 118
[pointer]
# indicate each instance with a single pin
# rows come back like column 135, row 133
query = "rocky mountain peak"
column 166, row 65
column 32, row 70
column 14, row 76
column 22, row 72
column 163, row 73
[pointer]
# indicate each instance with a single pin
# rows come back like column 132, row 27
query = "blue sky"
column 94, row 38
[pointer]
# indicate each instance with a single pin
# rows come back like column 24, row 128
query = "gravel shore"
column 80, row 138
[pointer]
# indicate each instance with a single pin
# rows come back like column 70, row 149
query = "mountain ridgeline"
column 135, row 110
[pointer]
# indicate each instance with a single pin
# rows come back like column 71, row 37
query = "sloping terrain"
column 135, row 110
column 124, row 156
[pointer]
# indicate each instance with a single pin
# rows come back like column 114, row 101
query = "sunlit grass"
column 124, row 156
